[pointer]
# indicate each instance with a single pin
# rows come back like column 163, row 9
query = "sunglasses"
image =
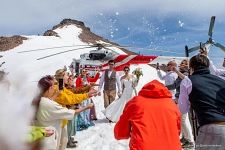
column 126, row 70
column 169, row 64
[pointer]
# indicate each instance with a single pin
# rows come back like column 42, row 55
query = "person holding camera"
column 205, row 93
column 170, row 75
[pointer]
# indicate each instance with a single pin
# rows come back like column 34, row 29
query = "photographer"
column 170, row 75
column 205, row 93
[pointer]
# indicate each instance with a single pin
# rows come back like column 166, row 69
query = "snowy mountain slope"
column 24, row 72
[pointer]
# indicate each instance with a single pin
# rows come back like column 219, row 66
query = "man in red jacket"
column 151, row 120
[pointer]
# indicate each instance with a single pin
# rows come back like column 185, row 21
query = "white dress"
column 50, row 113
column 115, row 109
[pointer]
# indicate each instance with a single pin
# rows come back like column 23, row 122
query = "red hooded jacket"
column 151, row 120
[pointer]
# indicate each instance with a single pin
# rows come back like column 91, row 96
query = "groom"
column 110, row 79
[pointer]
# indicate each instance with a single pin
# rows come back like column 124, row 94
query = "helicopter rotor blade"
column 167, row 51
column 2, row 64
column 186, row 51
column 117, row 46
column 41, row 49
column 193, row 49
column 111, row 50
column 220, row 46
column 63, row 52
column 157, row 50
column 211, row 26
column 110, row 45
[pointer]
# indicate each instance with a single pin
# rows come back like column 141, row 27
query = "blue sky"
column 149, row 24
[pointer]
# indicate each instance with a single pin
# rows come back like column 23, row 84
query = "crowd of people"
column 157, row 117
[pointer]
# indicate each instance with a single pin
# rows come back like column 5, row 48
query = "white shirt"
column 218, row 72
column 170, row 77
column 102, row 81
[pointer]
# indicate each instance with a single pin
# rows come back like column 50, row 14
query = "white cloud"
column 30, row 15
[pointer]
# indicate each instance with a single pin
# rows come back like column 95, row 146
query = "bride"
column 115, row 109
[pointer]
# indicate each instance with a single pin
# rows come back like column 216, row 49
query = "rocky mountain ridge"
column 7, row 43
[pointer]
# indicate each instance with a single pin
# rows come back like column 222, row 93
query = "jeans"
column 211, row 137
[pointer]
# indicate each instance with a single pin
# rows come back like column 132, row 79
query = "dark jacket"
column 207, row 97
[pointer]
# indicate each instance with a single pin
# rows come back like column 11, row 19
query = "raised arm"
column 159, row 73
column 215, row 71
column 89, row 106
column 212, row 67
column 67, row 97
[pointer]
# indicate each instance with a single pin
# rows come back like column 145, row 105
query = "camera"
column 60, row 84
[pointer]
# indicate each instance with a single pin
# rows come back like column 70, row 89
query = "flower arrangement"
column 138, row 73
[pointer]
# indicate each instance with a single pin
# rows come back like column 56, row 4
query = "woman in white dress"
column 50, row 113
column 115, row 109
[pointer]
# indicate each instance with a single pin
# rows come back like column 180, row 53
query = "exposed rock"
column 50, row 33
column 86, row 35
column 89, row 37
column 7, row 43
column 68, row 22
